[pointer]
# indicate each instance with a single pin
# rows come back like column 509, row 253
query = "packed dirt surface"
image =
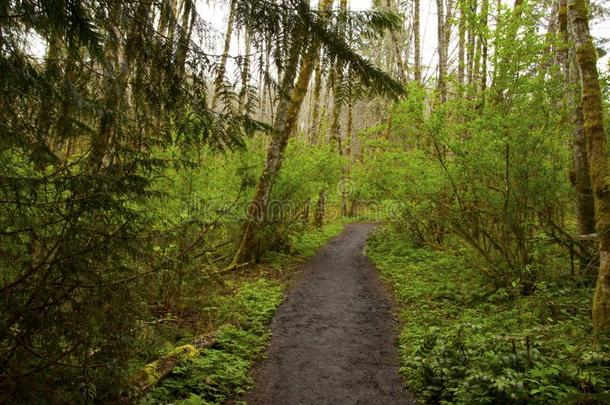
column 334, row 336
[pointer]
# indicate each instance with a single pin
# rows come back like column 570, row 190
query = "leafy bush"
column 492, row 173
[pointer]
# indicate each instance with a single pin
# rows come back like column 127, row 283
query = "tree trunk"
column 400, row 66
column 265, row 88
column 416, row 42
column 244, row 101
column 335, row 126
column 476, row 70
column 337, row 81
column 597, row 149
column 117, row 70
column 471, row 43
column 585, row 208
column 483, row 41
column 442, row 52
column 188, row 22
column 288, row 113
column 222, row 66
column 461, row 42
column 498, row 26
column 315, row 108
column 320, row 209
column 112, row 93
column 348, row 152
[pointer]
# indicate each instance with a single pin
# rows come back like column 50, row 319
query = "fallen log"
column 156, row 371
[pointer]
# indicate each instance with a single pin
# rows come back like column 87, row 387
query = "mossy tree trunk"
column 116, row 70
column 337, row 81
column 335, row 113
column 244, row 99
column 400, row 65
column 585, row 208
column 112, row 93
column 315, row 107
column 338, row 99
column 348, row 152
column 471, row 39
column 288, row 113
column 597, row 149
column 320, row 209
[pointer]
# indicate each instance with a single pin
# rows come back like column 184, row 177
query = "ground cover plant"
column 464, row 341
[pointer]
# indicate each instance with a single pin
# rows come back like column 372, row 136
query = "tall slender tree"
column 304, row 54
column 461, row 42
column 222, row 66
column 416, row 42
column 597, row 153
column 441, row 22
column 314, row 123
column 286, row 118
column 585, row 207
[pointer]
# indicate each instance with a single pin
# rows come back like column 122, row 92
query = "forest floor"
column 334, row 337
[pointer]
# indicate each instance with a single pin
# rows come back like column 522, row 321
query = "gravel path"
column 334, row 336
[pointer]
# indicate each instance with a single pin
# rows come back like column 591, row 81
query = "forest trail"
column 334, row 336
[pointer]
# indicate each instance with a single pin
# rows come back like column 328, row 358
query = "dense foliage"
column 463, row 340
column 188, row 225
column 128, row 156
column 491, row 250
column 148, row 177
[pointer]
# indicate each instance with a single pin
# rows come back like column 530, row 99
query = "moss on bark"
column 597, row 148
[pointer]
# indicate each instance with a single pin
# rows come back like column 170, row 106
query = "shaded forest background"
column 155, row 188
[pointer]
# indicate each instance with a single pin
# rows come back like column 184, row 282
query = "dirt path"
column 333, row 337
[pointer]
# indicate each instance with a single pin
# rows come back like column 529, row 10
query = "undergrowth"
column 305, row 244
column 464, row 341
column 221, row 372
